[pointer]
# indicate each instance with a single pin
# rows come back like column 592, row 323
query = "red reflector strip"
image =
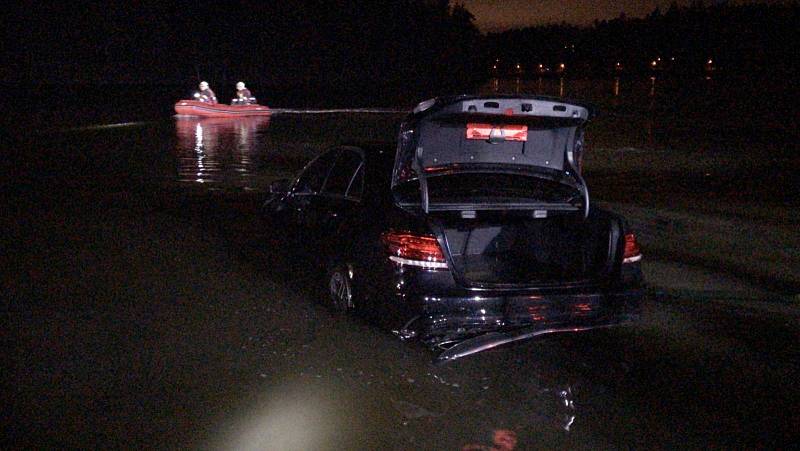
column 432, row 169
column 507, row 132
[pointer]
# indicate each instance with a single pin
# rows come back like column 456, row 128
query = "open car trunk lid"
column 534, row 137
column 499, row 180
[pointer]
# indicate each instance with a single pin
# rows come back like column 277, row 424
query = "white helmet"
column 240, row 85
column 203, row 85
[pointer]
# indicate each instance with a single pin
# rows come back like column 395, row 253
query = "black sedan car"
column 475, row 230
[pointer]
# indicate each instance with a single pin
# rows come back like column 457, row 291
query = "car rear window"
column 344, row 170
column 356, row 188
column 313, row 177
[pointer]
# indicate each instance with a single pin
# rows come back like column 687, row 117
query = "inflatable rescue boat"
column 205, row 109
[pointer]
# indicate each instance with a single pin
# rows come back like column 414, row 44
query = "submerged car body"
column 476, row 230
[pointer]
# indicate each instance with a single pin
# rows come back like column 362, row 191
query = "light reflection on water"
column 219, row 150
column 587, row 90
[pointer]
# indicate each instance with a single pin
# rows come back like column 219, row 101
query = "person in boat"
column 243, row 95
column 206, row 94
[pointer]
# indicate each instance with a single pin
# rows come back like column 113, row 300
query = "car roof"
column 379, row 159
column 375, row 152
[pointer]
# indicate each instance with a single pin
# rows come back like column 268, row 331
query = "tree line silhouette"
column 688, row 40
column 319, row 45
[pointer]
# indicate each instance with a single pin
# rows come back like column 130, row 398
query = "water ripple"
column 219, row 150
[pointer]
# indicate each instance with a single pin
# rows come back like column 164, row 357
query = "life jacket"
column 209, row 94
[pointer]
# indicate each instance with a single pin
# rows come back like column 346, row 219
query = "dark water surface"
column 142, row 311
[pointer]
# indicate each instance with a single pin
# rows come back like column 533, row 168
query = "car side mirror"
column 281, row 186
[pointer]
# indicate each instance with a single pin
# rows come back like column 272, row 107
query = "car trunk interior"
column 514, row 249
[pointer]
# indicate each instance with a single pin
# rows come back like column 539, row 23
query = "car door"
column 338, row 202
column 303, row 195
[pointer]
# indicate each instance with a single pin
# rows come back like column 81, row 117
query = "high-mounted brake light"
column 406, row 248
column 507, row 132
column 633, row 253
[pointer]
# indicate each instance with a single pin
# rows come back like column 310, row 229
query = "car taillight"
column 632, row 251
column 411, row 249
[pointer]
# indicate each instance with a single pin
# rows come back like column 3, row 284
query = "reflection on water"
column 219, row 150
column 598, row 90
column 521, row 86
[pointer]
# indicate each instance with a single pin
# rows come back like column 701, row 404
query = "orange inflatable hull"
column 204, row 109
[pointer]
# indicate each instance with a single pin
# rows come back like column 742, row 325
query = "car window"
column 342, row 174
column 313, row 177
column 356, row 188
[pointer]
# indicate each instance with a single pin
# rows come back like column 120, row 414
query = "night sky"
column 315, row 43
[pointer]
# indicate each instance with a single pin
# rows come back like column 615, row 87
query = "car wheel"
column 340, row 288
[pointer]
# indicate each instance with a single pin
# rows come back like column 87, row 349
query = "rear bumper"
column 446, row 320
